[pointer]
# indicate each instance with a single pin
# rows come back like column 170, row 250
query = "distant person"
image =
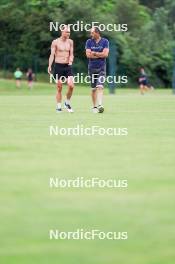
column 18, row 74
column 30, row 77
column 144, row 82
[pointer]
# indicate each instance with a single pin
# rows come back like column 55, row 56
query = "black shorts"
column 143, row 82
column 62, row 71
column 97, row 76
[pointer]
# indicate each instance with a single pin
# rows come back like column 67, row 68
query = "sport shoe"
column 68, row 107
column 100, row 109
column 95, row 110
column 58, row 110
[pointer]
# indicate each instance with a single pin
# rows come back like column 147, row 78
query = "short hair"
column 97, row 30
column 64, row 27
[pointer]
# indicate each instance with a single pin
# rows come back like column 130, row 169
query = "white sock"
column 58, row 105
column 67, row 101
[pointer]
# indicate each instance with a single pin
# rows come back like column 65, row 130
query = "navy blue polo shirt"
column 97, row 47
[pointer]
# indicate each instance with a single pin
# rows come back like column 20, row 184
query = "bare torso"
column 62, row 50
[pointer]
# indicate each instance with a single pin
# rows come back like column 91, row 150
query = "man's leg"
column 18, row 84
column 99, row 86
column 93, row 76
column 59, row 95
column 100, row 99
column 70, row 85
column 141, row 89
column 30, row 84
column 100, row 95
column 146, row 88
column 94, row 100
column 94, row 97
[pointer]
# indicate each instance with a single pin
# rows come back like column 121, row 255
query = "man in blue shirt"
column 97, row 50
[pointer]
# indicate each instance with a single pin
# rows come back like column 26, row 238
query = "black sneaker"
column 68, row 107
column 58, row 110
column 100, row 109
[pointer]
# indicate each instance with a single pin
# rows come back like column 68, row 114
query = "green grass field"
column 29, row 157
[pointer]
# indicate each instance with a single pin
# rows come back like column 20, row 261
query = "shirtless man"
column 62, row 52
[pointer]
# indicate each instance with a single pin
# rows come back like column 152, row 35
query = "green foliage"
column 25, row 36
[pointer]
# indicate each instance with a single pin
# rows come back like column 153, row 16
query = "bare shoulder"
column 71, row 41
column 54, row 42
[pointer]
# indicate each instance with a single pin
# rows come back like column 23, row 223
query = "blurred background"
column 25, row 37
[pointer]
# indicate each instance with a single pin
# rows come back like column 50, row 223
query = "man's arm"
column 90, row 54
column 71, row 55
column 52, row 56
column 103, row 54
